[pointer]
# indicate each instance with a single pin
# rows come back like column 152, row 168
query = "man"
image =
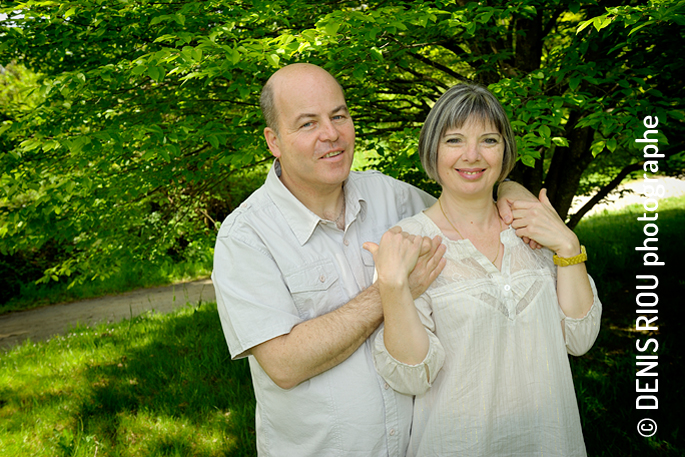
column 295, row 289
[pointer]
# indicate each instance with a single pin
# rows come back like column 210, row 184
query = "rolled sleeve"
column 581, row 333
column 404, row 378
column 411, row 379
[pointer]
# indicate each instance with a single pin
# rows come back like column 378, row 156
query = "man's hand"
column 428, row 266
column 509, row 192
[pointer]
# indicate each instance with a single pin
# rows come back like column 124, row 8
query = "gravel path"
column 43, row 323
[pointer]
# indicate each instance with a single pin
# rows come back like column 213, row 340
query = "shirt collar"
column 301, row 220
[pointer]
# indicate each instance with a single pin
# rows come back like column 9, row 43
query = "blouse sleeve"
column 411, row 379
column 581, row 333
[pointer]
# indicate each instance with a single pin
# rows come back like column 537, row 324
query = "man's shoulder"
column 249, row 214
column 373, row 176
column 375, row 180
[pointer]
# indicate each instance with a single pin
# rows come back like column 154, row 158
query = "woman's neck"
column 480, row 213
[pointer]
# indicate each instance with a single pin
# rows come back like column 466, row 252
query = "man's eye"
column 306, row 125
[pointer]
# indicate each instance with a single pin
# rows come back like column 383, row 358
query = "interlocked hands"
column 405, row 259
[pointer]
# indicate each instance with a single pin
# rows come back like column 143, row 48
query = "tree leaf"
column 331, row 27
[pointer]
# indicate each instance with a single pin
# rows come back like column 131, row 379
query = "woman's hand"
column 540, row 222
column 396, row 256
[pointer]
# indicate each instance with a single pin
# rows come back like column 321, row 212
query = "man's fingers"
column 504, row 209
column 426, row 246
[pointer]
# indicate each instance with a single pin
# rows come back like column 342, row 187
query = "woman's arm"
column 541, row 223
column 404, row 335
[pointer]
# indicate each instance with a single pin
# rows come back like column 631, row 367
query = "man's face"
column 315, row 140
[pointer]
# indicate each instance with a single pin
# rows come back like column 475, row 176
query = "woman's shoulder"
column 419, row 224
column 534, row 259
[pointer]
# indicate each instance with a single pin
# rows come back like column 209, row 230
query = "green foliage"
column 143, row 115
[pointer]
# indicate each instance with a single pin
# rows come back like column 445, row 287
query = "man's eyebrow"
column 304, row 116
column 340, row 108
column 335, row 110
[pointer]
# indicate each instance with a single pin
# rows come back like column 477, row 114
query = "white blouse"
column 496, row 380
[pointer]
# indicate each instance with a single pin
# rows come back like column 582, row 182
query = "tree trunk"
column 568, row 164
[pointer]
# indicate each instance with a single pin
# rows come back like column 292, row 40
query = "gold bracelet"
column 566, row 261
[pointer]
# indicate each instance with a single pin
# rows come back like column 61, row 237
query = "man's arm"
column 319, row 344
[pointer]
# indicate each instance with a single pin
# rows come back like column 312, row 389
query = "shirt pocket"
column 315, row 289
column 367, row 257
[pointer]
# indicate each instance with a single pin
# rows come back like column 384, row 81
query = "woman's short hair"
column 455, row 108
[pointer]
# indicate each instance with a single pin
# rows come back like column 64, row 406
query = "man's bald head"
column 297, row 73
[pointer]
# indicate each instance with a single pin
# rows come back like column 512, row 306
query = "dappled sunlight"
column 156, row 385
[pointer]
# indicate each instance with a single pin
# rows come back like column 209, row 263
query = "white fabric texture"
column 505, row 388
column 277, row 264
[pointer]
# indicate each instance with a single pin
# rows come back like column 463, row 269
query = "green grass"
column 158, row 385
column 129, row 277
column 163, row 385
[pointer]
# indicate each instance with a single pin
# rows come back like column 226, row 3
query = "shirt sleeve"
column 253, row 301
column 581, row 333
column 411, row 379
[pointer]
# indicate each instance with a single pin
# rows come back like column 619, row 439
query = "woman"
column 485, row 348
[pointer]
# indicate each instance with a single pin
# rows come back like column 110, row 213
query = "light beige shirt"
column 505, row 387
column 277, row 264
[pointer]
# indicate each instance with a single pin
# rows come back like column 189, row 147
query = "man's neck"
column 324, row 201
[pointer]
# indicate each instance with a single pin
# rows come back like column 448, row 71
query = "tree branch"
column 603, row 192
column 441, row 67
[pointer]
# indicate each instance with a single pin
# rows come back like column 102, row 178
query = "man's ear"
column 271, row 138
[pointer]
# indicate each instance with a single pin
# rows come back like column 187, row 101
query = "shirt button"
column 346, row 242
column 386, row 386
column 392, row 432
column 507, row 287
column 322, row 278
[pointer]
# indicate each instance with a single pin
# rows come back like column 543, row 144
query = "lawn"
column 164, row 385
column 157, row 385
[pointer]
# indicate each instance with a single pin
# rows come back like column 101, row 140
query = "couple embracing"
column 379, row 321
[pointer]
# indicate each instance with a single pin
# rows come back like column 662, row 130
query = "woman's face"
column 470, row 159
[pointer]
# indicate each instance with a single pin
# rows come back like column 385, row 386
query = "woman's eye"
column 453, row 140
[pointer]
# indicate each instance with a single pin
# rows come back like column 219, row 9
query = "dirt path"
column 43, row 323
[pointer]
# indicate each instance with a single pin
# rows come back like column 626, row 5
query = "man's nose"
column 328, row 132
